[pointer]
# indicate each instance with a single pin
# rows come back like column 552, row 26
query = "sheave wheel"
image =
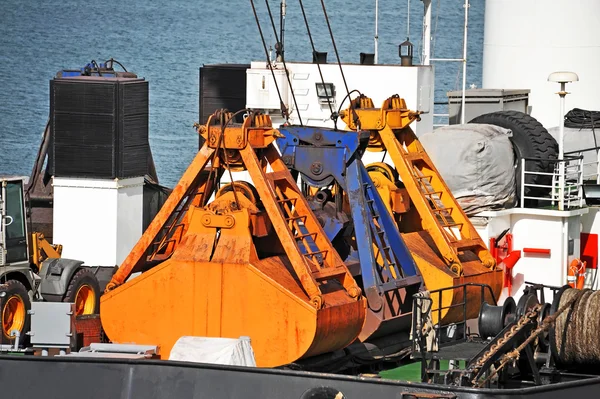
column 84, row 292
column 14, row 308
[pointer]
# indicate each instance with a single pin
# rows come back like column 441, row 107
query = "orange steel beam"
column 390, row 131
column 135, row 260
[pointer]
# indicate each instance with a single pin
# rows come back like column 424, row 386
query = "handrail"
column 569, row 195
column 591, row 176
column 419, row 336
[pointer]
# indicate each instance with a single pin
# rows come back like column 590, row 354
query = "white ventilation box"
column 98, row 221
column 261, row 91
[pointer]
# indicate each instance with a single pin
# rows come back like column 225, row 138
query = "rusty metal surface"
column 214, row 278
column 437, row 275
column 390, row 131
column 446, row 247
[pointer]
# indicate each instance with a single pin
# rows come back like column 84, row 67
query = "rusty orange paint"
column 237, row 270
column 445, row 256
column 136, row 258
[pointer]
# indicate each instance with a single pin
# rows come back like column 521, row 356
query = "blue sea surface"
column 166, row 42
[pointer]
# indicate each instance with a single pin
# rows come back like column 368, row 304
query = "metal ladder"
column 389, row 271
column 173, row 229
column 296, row 214
column 440, row 214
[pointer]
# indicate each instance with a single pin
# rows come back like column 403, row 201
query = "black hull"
column 76, row 378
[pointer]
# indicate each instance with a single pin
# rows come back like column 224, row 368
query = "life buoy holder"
column 576, row 274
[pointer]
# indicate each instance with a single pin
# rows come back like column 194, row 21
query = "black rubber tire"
column 14, row 288
column 530, row 139
column 83, row 276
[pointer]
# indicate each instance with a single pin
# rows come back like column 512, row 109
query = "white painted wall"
column 526, row 40
column 536, row 228
column 97, row 221
column 415, row 84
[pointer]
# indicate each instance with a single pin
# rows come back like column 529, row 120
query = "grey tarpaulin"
column 477, row 163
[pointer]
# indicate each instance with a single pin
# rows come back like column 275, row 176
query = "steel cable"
column 223, row 127
column 337, row 55
column 284, row 111
column 287, row 75
column 333, row 116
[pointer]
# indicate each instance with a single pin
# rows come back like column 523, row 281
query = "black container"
column 222, row 86
column 99, row 127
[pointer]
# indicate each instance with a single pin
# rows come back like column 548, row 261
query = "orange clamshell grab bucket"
column 259, row 299
column 237, row 271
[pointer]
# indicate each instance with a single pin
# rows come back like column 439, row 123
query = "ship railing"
column 441, row 120
column 429, row 306
column 591, row 169
column 564, row 186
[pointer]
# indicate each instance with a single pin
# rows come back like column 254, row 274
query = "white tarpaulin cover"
column 477, row 163
column 226, row 351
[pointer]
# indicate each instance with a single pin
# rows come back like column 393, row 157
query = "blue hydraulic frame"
column 322, row 156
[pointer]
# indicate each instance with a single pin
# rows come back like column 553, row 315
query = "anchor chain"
column 527, row 318
column 513, row 356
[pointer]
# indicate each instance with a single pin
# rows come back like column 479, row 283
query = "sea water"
column 166, row 42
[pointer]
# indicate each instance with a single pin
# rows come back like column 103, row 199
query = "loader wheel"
column 84, row 292
column 530, row 140
column 14, row 308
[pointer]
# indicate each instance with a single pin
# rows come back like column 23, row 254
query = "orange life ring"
column 576, row 274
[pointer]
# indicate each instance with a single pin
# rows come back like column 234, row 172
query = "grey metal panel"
column 146, row 379
column 52, row 324
column 483, row 101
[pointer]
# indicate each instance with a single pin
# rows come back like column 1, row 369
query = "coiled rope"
column 576, row 332
column 582, row 119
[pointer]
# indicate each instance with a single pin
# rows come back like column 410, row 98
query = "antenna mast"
column 376, row 30
column 280, row 46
